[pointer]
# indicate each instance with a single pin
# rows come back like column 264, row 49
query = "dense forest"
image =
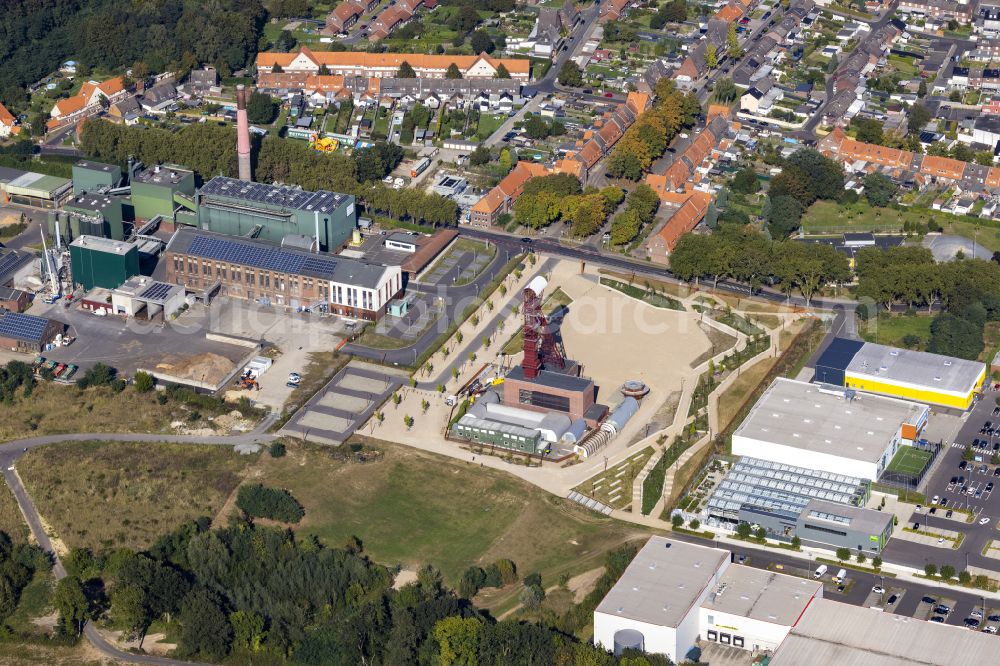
column 36, row 36
column 250, row 594
column 210, row 150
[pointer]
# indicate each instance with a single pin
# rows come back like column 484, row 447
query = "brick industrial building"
column 268, row 273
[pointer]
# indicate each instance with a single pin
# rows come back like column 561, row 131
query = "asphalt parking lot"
column 961, row 487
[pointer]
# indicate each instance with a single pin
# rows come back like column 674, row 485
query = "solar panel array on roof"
column 156, row 291
column 18, row 326
column 268, row 258
column 273, row 195
column 9, row 260
column 782, row 489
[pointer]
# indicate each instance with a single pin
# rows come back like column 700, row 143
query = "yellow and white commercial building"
column 932, row 379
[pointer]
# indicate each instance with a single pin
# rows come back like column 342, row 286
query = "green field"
column 909, row 460
column 891, row 329
column 413, row 507
column 107, row 494
column 831, row 217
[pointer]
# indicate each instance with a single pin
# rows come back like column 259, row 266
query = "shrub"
column 277, row 449
column 259, row 501
column 143, row 382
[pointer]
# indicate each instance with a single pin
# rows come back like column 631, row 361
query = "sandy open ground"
column 613, row 337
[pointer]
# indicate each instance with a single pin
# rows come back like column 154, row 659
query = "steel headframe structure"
column 541, row 349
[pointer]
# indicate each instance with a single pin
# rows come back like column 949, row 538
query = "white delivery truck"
column 840, row 577
column 820, row 570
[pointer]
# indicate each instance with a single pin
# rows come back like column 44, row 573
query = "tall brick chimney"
column 242, row 134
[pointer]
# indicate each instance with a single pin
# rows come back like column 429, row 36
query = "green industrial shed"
column 102, row 262
column 91, row 176
column 272, row 212
column 160, row 190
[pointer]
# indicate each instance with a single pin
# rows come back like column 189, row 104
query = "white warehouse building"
column 674, row 594
column 828, row 428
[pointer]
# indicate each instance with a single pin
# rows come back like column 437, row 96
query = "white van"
column 820, row 570
column 840, row 577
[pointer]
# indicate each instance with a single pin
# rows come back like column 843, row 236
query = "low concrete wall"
column 232, row 339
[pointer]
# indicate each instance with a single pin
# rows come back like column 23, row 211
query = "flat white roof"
column 762, row 595
column 812, row 418
column 663, row 582
column 933, row 371
column 832, row 633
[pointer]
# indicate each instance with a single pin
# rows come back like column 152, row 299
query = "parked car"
column 938, row 619
column 878, row 589
column 984, row 521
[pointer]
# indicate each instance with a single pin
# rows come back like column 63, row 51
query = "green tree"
column 743, row 530
column 501, row 72
column 868, row 130
column 843, row 554
column 783, row 215
column 964, row 577
column 733, row 43
column 760, row 533
column 930, row 570
column 129, row 611
column 506, row 161
column 711, row 56
column 918, row 117
column 796, row 542
column 405, row 71
column 72, row 605
column 536, row 127
column 677, row 520
column 453, row 72
column 261, row 108
column 458, row 640
column 481, row 42
column 143, row 382
column 205, row 629
column 947, row 571
column 745, row 181
column 248, row 630
column 570, row 75
column 922, row 89
column 879, row 189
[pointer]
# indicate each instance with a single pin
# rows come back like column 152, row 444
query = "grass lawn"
column 413, row 507
column 891, row 329
column 105, row 494
column 43, row 654
column 488, row 123
column 552, row 302
column 11, row 520
column 903, row 65
column 57, row 408
column 831, row 217
column 732, row 398
column 909, row 460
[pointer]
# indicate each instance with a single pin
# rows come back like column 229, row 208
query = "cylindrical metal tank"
column 628, row 639
column 576, row 431
column 623, row 412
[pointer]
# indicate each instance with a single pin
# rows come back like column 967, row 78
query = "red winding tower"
column 541, row 349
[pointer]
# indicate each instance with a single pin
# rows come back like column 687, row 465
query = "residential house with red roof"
column 87, row 102
column 386, row 65
column 500, row 199
column 8, row 123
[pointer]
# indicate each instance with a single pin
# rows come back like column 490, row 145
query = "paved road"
column 594, row 256
column 860, row 592
column 455, row 300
